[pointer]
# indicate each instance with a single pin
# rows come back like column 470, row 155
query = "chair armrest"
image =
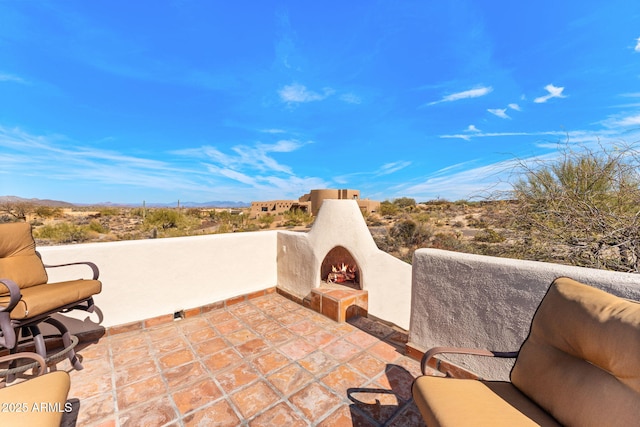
column 94, row 268
column 14, row 294
column 460, row 350
column 39, row 360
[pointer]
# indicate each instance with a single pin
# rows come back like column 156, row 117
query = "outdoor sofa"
column 579, row 366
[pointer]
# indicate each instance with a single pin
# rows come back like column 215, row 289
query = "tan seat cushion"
column 581, row 360
column 18, row 259
column 44, row 298
column 38, row 402
column 446, row 402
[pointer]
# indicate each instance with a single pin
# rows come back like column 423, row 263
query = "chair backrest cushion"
column 18, row 259
column 581, row 360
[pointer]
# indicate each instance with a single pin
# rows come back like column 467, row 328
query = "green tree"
column 18, row 210
column 295, row 217
column 164, row 218
column 587, row 202
column 405, row 202
column 388, row 209
column 266, row 220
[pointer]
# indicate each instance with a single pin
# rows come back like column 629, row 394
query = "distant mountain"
column 43, row 202
column 214, row 204
column 58, row 203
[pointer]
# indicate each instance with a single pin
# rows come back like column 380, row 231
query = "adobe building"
column 311, row 202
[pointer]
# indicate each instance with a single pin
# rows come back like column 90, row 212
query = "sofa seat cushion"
column 37, row 402
column 446, row 402
column 42, row 299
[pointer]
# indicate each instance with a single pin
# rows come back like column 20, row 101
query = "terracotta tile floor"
column 263, row 362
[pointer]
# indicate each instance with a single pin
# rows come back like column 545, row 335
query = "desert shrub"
column 223, row 228
column 475, row 222
column 374, row 221
column 108, row 211
column 18, row 210
column 62, row 233
column 409, row 234
column 265, row 221
column 98, row 227
column 388, row 209
column 138, row 212
column 47, row 212
column 297, row 217
column 450, row 242
column 587, row 201
column 404, row 202
column 489, row 235
column 164, row 218
column 422, row 217
column 250, row 227
column 193, row 212
column 403, row 230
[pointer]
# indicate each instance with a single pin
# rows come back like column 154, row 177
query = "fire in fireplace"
column 340, row 267
column 342, row 273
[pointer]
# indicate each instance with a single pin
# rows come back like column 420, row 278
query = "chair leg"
column 38, row 341
column 66, row 341
column 13, row 350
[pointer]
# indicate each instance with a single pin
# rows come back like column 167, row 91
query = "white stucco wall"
column 340, row 223
column 148, row 278
column 465, row 300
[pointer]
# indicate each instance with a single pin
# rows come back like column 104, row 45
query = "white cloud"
column 617, row 121
column 270, row 186
column 554, row 92
column 469, row 136
column 206, row 173
column 392, row 167
column 256, row 157
column 630, row 121
column 500, row 112
column 297, row 93
column 463, row 184
column 472, row 93
column 56, row 159
column 11, row 78
column 515, row 107
column 637, row 48
column 471, row 129
column 350, row 98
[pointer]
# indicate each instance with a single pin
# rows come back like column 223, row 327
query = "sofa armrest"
column 94, row 268
column 14, row 294
column 461, row 350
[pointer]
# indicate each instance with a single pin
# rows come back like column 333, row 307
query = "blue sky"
column 209, row 100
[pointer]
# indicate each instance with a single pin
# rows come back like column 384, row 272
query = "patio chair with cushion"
column 579, row 366
column 27, row 300
column 37, row 402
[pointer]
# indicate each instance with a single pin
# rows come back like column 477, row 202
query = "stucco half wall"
column 340, row 223
column 465, row 300
column 143, row 279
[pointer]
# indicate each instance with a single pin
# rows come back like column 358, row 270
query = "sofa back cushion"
column 581, row 361
column 18, row 259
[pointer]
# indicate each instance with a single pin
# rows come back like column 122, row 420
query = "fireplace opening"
column 339, row 267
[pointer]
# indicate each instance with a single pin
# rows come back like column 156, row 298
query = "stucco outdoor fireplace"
column 340, row 236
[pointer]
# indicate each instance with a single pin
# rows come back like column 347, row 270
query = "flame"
column 342, row 273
